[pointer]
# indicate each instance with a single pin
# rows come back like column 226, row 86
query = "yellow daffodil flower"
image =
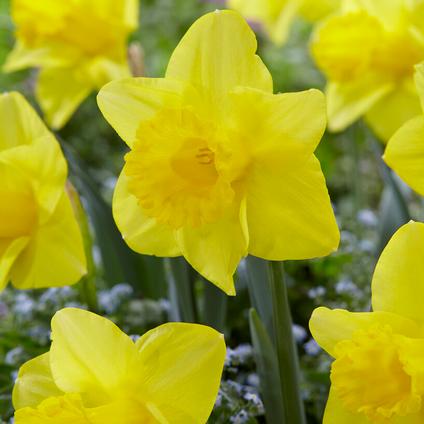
column 368, row 53
column 405, row 150
column 219, row 166
column 96, row 374
column 79, row 45
column 276, row 16
column 40, row 240
column 378, row 375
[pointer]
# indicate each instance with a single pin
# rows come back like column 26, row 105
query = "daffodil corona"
column 405, row 150
column 95, row 374
column 377, row 375
column 40, row 240
column 368, row 53
column 79, row 45
column 219, row 166
column 276, row 16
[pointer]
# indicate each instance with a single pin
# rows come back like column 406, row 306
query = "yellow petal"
column 60, row 91
column 19, row 123
column 335, row 413
column 279, row 126
column 89, row 354
column 182, row 366
column 398, row 282
column 405, row 153
column 289, row 212
column 141, row 233
column 127, row 102
column 329, row 327
column 55, row 254
column 22, row 57
column 34, row 383
column 392, row 111
column 217, row 54
column 214, row 250
column 279, row 30
column 348, row 101
column 9, row 251
column 419, row 80
column 64, row 409
column 43, row 164
column 313, row 10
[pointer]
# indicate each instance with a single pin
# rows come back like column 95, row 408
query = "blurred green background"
column 140, row 292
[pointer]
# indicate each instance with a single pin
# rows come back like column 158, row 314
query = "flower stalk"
column 288, row 361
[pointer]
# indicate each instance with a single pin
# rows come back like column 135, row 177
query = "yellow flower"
column 219, row 166
column 368, row 54
column 79, row 45
column 276, row 16
column 378, row 373
column 40, row 241
column 405, row 150
column 95, row 374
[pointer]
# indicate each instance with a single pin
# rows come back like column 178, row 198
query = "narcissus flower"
column 378, row 374
column 95, row 374
column 405, row 150
column 40, row 240
column 276, row 16
column 219, row 166
column 79, row 45
column 368, row 53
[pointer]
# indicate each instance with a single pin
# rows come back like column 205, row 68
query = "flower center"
column 369, row 376
column 181, row 169
column 349, row 46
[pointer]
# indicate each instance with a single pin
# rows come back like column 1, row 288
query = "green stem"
column 288, row 361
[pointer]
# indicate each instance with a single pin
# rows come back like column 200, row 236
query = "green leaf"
column 267, row 365
column 181, row 295
column 214, row 306
column 254, row 274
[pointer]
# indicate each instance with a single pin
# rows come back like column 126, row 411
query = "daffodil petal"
column 279, row 30
column 127, row 102
column 279, row 126
column 141, row 233
column 54, row 410
column 405, row 153
column 46, row 169
column 218, row 53
column 89, row 354
column 397, row 283
column 336, row 413
column 60, row 91
column 392, row 111
column 34, row 383
column 19, row 123
column 419, row 81
column 54, row 255
column 289, row 212
column 182, row 366
column 349, row 101
column 9, row 252
column 329, row 327
column 22, row 57
column 215, row 249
